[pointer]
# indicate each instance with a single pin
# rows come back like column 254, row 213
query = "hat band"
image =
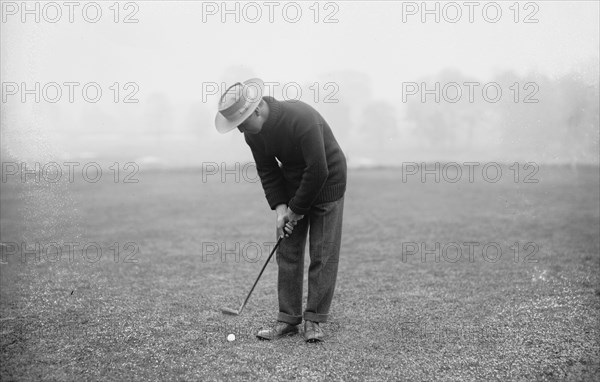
column 240, row 106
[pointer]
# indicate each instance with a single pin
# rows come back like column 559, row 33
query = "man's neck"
column 267, row 110
column 264, row 113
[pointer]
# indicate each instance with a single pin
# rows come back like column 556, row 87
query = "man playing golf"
column 306, row 189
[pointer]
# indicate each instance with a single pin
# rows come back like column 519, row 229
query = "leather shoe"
column 281, row 329
column 313, row 332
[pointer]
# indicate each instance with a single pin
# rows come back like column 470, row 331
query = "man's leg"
column 325, row 239
column 290, row 259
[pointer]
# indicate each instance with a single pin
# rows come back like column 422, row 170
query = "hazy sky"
column 171, row 49
column 176, row 46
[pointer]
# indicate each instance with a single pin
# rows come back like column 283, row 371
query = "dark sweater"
column 313, row 166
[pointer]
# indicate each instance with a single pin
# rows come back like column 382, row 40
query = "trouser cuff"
column 292, row 320
column 316, row 317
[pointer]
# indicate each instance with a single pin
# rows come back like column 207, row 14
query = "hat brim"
column 225, row 125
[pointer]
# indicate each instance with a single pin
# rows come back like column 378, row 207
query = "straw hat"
column 237, row 103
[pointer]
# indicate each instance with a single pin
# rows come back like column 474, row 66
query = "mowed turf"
column 189, row 246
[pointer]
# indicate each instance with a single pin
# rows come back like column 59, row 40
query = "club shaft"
column 260, row 274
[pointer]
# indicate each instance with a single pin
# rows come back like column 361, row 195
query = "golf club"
column 234, row 312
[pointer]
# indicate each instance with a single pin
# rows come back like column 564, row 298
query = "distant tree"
column 452, row 120
column 579, row 131
column 341, row 95
column 379, row 124
column 550, row 119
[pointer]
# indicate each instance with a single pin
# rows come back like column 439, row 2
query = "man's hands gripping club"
column 286, row 220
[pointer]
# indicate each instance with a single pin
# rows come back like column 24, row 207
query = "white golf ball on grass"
column 231, row 337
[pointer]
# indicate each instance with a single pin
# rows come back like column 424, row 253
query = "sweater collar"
column 274, row 114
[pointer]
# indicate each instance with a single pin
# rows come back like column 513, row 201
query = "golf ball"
column 231, row 337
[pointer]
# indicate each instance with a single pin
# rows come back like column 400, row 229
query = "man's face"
column 252, row 124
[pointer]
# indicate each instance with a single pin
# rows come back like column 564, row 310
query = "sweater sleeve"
column 315, row 173
column 270, row 176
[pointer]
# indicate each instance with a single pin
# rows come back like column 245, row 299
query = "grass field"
column 154, row 313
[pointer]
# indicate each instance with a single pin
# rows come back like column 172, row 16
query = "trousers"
column 323, row 225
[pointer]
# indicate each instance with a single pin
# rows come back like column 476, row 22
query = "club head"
column 231, row 312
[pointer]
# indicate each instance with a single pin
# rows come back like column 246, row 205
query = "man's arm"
column 274, row 187
column 270, row 176
column 315, row 173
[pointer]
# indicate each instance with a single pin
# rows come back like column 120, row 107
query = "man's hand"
column 293, row 216
column 286, row 220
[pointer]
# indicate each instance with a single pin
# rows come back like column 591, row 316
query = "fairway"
column 437, row 280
